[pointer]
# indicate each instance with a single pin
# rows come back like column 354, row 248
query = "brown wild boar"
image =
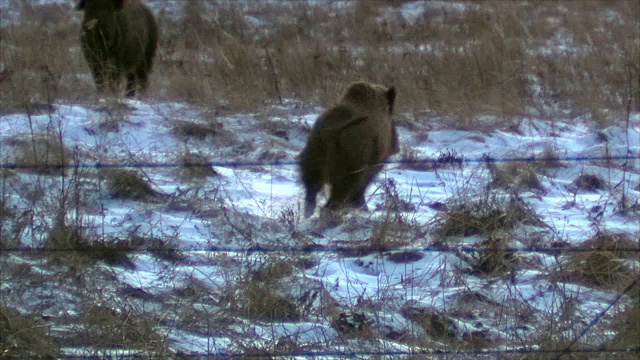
column 348, row 145
column 118, row 37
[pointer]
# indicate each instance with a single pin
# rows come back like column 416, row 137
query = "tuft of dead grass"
column 448, row 159
column 109, row 328
column 437, row 325
column 44, row 155
column 186, row 129
column 627, row 322
column 128, row 184
column 483, row 216
column 493, row 258
column 596, row 268
column 620, row 244
column 516, row 175
column 72, row 246
column 353, row 325
column 588, row 182
column 21, row 337
column 550, row 158
column 259, row 297
column 604, row 264
column 194, row 167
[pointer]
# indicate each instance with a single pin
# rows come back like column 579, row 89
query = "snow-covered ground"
column 246, row 216
column 207, row 251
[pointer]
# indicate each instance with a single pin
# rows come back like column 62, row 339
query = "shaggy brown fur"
column 348, row 145
column 118, row 37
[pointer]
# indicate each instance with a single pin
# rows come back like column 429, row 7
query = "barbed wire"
column 434, row 161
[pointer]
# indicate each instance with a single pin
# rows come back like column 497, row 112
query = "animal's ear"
column 391, row 98
column 80, row 5
column 119, row 4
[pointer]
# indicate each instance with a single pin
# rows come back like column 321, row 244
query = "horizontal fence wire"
column 477, row 354
column 436, row 161
column 333, row 249
column 351, row 251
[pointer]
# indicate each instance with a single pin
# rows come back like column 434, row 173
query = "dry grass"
column 442, row 328
column 129, row 184
column 44, row 155
column 112, row 328
column 589, row 182
column 515, row 175
column 353, row 325
column 448, row 159
column 259, row 296
column 488, row 58
column 22, row 337
column 493, row 258
column 483, row 215
column 628, row 324
column 196, row 130
column 487, row 65
column 75, row 248
column 605, row 265
column 194, row 167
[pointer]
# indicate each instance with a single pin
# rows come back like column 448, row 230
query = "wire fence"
column 475, row 354
column 336, row 249
column 235, row 164
column 349, row 250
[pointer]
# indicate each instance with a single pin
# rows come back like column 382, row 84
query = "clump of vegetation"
column 596, row 268
column 588, row 182
column 44, row 155
column 129, row 184
column 258, row 297
column 21, row 337
column 409, row 160
column 392, row 202
column 261, row 302
column 483, row 216
column 164, row 248
column 69, row 244
column 403, row 257
column 449, row 159
column 605, row 265
column 195, row 166
column 12, row 223
column 549, row 158
column 199, row 130
column 493, row 258
column 619, row 244
column 353, row 325
column 437, row 325
column 627, row 323
column 516, row 175
column 109, row 328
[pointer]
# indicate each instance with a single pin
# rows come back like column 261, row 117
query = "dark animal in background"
column 118, row 37
column 348, row 145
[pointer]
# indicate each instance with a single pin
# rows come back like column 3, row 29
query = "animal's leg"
column 142, row 77
column 313, row 172
column 97, row 70
column 130, row 90
column 113, row 77
column 313, row 180
column 339, row 195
